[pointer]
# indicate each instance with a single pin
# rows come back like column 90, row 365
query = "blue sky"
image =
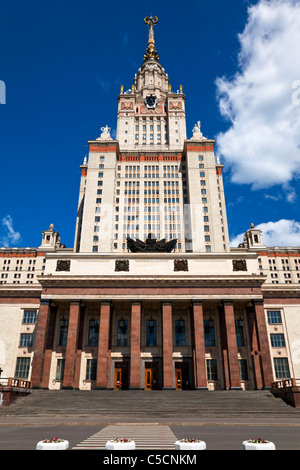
column 63, row 63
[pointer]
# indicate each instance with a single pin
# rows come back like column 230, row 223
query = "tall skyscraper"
column 152, row 179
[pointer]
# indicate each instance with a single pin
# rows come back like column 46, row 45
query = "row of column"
column 256, row 327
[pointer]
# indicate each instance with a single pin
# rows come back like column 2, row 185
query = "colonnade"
column 258, row 339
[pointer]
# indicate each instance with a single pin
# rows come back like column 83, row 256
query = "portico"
column 163, row 332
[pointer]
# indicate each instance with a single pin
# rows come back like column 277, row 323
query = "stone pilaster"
column 40, row 343
column 168, row 373
column 232, row 351
column 103, row 345
column 135, row 346
column 255, row 353
column 73, row 329
column 49, row 348
column 263, row 344
column 199, row 356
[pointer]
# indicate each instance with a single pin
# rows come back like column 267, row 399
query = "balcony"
column 11, row 389
column 288, row 390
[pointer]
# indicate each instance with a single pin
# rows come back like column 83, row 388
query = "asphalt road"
column 217, row 437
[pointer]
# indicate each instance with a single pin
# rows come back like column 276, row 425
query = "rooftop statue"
column 197, row 134
column 151, row 245
column 105, row 133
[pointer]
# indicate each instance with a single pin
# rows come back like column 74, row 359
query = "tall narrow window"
column 63, row 331
column 60, row 369
column 209, row 332
column 122, row 332
column 151, row 333
column 180, row 332
column 91, row 369
column 243, row 369
column 239, row 329
column 211, row 369
column 93, row 332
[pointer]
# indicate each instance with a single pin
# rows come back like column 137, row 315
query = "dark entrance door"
column 182, row 376
column 121, row 376
column 151, row 376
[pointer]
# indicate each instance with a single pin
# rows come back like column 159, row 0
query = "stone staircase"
column 136, row 404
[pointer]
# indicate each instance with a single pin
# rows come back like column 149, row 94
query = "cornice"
column 155, row 256
column 151, row 281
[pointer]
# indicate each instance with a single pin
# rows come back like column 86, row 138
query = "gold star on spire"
column 151, row 51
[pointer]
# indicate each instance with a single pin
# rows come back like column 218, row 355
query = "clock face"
column 151, row 101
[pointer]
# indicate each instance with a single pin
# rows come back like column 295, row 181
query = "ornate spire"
column 151, row 51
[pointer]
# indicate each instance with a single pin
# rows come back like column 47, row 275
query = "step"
column 144, row 404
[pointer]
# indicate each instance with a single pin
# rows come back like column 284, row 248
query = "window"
column 151, row 333
column 277, row 341
column 239, row 329
column 60, row 369
column 63, row 332
column 29, row 316
column 22, row 367
column 211, row 369
column 243, row 369
column 93, row 332
column 180, row 332
column 274, row 316
column 209, row 332
column 91, row 369
column 122, row 333
column 26, row 340
column 281, row 367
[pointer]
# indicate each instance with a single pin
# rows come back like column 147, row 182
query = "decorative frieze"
column 181, row 265
column 239, row 265
column 63, row 265
column 121, row 265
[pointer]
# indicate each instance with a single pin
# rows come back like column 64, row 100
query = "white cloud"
column 281, row 233
column 10, row 237
column 262, row 144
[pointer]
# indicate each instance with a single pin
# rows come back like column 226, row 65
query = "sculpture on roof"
column 151, row 245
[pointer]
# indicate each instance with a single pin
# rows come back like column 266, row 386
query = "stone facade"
column 204, row 316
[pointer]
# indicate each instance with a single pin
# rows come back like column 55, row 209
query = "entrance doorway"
column 121, row 376
column 151, row 376
column 182, row 376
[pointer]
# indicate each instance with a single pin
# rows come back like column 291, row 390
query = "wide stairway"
column 125, row 404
